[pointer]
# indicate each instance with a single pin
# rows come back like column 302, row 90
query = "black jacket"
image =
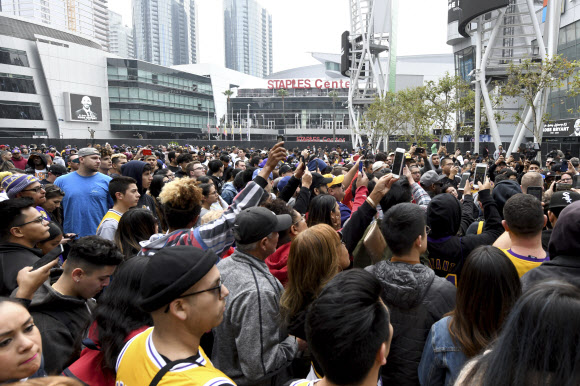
column 62, row 321
column 559, row 268
column 303, row 199
column 14, row 257
column 447, row 251
column 134, row 169
column 416, row 299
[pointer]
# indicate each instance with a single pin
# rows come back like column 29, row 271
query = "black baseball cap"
column 253, row 224
column 171, row 272
column 563, row 199
column 57, row 170
column 319, row 180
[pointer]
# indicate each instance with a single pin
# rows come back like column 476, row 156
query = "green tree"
column 228, row 93
column 527, row 79
column 283, row 93
column 448, row 99
column 384, row 117
column 417, row 113
column 334, row 95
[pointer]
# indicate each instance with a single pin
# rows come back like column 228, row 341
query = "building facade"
column 165, row 31
column 248, row 37
column 158, row 102
column 85, row 17
column 120, row 37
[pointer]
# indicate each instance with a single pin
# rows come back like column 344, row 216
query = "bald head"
column 531, row 179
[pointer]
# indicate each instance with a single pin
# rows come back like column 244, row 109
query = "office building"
column 165, row 31
column 120, row 37
column 248, row 37
column 84, row 17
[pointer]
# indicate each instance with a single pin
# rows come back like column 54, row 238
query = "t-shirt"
column 109, row 225
column 85, row 202
column 40, row 174
column 140, row 353
column 524, row 263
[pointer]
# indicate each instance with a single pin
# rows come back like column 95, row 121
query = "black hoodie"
column 14, row 257
column 564, row 251
column 447, row 252
column 134, row 169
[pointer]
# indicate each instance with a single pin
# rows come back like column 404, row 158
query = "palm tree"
column 283, row 93
column 228, row 93
column 334, row 95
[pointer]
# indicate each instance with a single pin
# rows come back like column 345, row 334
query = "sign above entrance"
column 307, row 83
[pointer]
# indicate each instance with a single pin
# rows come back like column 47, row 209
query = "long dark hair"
column 117, row 313
column 135, row 225
column 488, row 289
column 539, row 343
column 321, row 207
column 156, row 185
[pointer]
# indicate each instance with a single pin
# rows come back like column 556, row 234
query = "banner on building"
column 83, row 108
column 562, row 128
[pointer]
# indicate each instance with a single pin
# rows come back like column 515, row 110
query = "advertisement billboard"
column 470, row 9
column 562, row 128
column 83, row 108
column 453, row 10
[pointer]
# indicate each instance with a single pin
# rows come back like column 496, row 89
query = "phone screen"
column 480, row 171
column 560, row 187
column 360, row 167
column 464, row 178
column 398, row 162
column 564, row 167
column 535, row 191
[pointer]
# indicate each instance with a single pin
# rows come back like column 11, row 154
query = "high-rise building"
column 85, row 17
column 120, row 37
column 248, row 37
column 165, row 31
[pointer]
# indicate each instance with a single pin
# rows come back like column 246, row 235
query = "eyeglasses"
column 39, row 220
column 35, row 190
column 302, row 218
column 218, row 287
column 427, row 229
column 565, row 180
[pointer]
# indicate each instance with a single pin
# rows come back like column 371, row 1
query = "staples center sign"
column 308, row 83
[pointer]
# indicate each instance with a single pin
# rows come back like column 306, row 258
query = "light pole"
column 263, row 121
column 240, row 126
column 248, row 123
column 208, row 132
column 296, row 120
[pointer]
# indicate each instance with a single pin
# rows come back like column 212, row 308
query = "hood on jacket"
column 46, row 298
column 503, row 191
column 30, row 162
column 444, row 216
column 430, row 160
column 565, row 239
column 134, row 169
column 8, row 248
column 404, row 285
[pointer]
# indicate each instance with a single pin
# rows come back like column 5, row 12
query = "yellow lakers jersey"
column 111, row 213
column 139, row 362
column 524, row 263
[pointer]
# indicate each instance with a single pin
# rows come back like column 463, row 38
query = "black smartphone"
column 560, row 187
column 464, row 178
column 48, row 258
column 516, row 156
column 414, row 143
column 360, row 167
column 536, row 191
column 564, row 167
column 419, row 150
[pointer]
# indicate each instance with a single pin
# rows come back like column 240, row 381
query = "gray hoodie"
column 416, row 298
column 249, row 345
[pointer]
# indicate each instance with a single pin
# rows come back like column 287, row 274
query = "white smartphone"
column 480, row 173
column 398, row 162
column 464, row 178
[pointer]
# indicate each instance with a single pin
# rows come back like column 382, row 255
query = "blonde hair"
column 181, row 193
column 313, row 260
column 210, row 216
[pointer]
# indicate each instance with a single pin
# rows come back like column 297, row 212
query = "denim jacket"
column 442, row 359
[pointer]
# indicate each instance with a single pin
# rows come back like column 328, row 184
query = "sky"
column 304, row 26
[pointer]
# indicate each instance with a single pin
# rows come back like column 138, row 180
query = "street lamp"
column 263, row 122
column 248, row 123
column 296, row 120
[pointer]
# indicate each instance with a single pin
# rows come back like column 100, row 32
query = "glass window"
column 13, row 57
column 115, row 114
column 134, row 93
column 570, row 34
column 17, row 83
column 134, row 115
column 20, row 110
column 124, row 93
column 112, row 70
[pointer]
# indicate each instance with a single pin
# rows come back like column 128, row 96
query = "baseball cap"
column 57, row 170
column 335, row 180
column 563, row 199
column 255, row 223
column 86, row 151
column 15, row 150
column 283, row 182
column 431, row 177
column 257, row 171
column 284, row 169
column 172, row 272
column 319, row 180
column 378, row 166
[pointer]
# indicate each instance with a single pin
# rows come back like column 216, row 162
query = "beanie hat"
column 171, row 272
column 503, row 191
column 565, row 239
column 16, row 183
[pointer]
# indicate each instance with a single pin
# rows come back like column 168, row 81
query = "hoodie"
column 429, row 165
column 564, row 251
column 502, row 192
column 447, row 251
column 30, row 168
column 416, row 299
column 134, row 169
column 14, row 257
column 62, row 321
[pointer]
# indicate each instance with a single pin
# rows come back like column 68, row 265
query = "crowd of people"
column 193, row 265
